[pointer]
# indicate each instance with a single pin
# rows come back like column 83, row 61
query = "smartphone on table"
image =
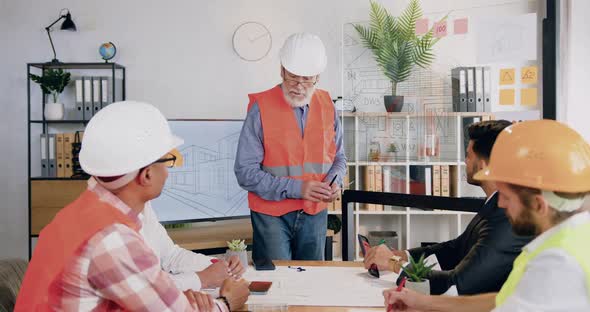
column 364, row 244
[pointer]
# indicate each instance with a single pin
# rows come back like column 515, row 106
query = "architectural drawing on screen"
column 205, row 186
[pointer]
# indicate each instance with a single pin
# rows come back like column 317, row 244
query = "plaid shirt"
column 116, row 270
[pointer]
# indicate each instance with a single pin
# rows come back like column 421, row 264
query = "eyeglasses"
column 293, row 82
column 168, row 161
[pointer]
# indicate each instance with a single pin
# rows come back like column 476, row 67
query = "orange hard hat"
column 540, row 154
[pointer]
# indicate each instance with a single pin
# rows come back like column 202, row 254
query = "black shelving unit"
column 39, row 68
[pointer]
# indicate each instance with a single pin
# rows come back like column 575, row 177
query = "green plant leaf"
column 394, row 42
column 53, row 81
column 408, row 20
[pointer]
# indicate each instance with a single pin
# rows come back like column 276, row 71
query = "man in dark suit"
column 480, row 259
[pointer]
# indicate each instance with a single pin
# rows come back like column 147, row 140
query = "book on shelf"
column 378, row 184
column 420, row 180
column 436, row 180
column 59, row 155
column 445, row 182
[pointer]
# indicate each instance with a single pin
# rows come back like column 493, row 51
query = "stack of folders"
column 56, row 155
column 92, row 94
column 471, row 89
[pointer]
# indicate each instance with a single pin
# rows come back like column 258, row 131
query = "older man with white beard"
column 289, row 152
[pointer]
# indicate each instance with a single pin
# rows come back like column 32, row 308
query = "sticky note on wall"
column 421, row 26
column 506, row 96
column 460, row 26
column 528, row 96
column 506, row 76
column 440, row 29
column 528, row 75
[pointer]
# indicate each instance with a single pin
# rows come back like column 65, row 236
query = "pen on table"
column 398, row 289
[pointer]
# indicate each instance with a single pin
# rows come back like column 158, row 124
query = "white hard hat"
column 304, row 54
column 124, row 137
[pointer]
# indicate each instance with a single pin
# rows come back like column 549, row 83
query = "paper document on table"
column 322, row 286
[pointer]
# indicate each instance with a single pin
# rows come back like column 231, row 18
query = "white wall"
column 574, row 107
column 178, row 56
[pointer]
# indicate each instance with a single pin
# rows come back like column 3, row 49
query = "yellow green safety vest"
column 573, row 240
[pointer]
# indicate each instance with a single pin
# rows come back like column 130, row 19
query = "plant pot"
column 421, row 287
column 54, row 111
column 243, row 255
column 389, row 156
column 393, row 103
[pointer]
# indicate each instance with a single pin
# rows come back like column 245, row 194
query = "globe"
column 107, row 50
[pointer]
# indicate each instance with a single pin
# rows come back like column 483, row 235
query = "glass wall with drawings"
column 405, row 116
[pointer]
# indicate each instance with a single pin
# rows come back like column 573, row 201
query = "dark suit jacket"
column 480, row 259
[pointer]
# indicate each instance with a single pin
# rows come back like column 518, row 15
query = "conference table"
column 305, row 308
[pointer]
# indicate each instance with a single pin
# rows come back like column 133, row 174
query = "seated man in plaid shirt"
column 91, row 257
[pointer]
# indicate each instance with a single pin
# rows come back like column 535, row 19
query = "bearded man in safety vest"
column 542, row 171
column 289, row 151
column 91, row 257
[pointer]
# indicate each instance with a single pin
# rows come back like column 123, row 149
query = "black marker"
column 333, row 179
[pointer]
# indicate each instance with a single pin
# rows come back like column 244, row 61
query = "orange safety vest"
column 288, row 154
column 59, row 243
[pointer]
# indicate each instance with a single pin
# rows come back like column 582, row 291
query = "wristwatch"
column 224, row 299
column 395, row 260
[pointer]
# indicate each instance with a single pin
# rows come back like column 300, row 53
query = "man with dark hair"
column 542, row 171
column 480, row 259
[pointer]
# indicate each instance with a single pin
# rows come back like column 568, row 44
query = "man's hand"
column 236, row 292
column 380, row 256
column 315, row 191
column 201, row 302
column 214, row 275
column 405, row 300
column 402, row 254
column 335, row 189
column 397, row 266
column 235, row 267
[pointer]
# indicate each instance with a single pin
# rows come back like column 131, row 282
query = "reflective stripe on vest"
column 571, row 239
column 288, row 154
column 59, row 242
column 286, row 171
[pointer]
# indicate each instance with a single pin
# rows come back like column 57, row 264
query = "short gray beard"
column 296, row 103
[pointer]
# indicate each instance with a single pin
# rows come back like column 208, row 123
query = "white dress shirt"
column 180, row 263
column 553, row 280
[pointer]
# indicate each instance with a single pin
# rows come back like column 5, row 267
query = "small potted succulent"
column 237, row 247
column 53, row 81
column 418, row 272
column 390, row 155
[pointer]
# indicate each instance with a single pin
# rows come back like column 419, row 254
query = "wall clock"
column 252, row 41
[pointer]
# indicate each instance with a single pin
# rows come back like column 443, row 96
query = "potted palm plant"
column 418, row 272
column 396, row 46
column 53, row 82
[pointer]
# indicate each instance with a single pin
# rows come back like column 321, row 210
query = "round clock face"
column 252, row 41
